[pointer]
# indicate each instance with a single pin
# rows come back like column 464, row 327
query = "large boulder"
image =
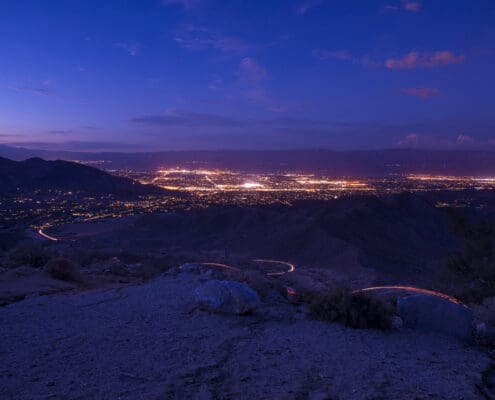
column 433, row 313
column 226, row 297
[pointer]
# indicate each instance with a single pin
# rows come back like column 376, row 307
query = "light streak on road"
column 291, row 266
column 211, row 181
column 252, row 185
column 46, row 236
column 411, row 289
column 218, row 265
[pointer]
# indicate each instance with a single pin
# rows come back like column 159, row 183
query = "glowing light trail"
column 46, row 236
column 291, row 266
column 413, row 290
column 218, row 265
column 225, row 266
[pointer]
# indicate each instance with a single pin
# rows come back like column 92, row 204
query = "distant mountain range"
column 38, row 174
column 371, row 163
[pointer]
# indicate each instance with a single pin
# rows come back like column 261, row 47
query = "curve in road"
column 411, row 289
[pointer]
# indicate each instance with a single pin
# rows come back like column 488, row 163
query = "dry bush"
column 357, row 310
column 87, row 256
column 33, row 254
column 63, row 269
column 260, row 282
column 470, row 272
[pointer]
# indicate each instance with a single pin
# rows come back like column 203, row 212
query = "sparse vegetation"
column 63, row 269
column 470, row 272
column 29, row 253
column 260, row 282
column 357, row 310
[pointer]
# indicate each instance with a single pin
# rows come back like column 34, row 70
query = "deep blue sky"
column 275, row 74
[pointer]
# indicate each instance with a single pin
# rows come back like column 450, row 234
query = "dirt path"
column 146, row 342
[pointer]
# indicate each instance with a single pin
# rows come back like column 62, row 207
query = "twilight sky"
column 131, row 75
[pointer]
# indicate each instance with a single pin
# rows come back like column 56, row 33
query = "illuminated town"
column 200, row 188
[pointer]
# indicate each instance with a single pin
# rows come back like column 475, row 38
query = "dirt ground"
column 149, row 342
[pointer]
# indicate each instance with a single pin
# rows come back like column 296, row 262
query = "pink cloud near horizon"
column 423, row 92
column 412, row 6
column 416, row 59
column 306, row 5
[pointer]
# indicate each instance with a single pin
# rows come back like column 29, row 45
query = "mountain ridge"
column 365, row 163
column 38, row 174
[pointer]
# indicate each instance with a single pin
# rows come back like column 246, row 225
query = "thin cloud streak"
column 187, row 5
column 412, row 60
column 423, row 92
column 179, row 118
column 405, row 5
column 42, row 91
column 307, row 5
column 416, row 59
column 345, row 55
column 132, row 48
column 200, row 38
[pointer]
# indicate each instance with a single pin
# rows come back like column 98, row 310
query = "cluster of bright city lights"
column 189, row 188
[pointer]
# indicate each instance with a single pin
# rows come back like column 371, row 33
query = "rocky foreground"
column 152, row 342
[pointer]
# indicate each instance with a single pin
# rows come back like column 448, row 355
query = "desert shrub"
column 129, row 257
column 63, row 269
column 146, row 271
column 258, row 281
column 470, row 272
column 356, row 310
column 10, row 238
column 33, row 254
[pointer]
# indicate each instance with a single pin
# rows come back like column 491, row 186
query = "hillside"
column 38, row 174
column 400, row 239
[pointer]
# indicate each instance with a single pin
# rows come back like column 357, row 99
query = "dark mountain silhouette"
column 403, row 238
column 38, row 174
column 367, row 163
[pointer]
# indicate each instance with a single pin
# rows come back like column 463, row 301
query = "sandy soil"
column 149, row 342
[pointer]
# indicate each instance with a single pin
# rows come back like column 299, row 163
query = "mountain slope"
column 38, row 174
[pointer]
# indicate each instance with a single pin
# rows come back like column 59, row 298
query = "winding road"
column 291, row 268
column 46, row 236
column 410, row 289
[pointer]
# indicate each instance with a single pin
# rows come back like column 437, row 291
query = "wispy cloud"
column 131, row 48
column 412, row 6
column 179, row 118
column 200, row 38
column 251, row 76
column 216, row 84
column 416, row 59
column 307, row 5
column 345, row 55
column 460, row 141
column 251, row 71
column 42, row 89
column 423, row 92
column 338, row 54
column 185, row 4
column 60, row 132
column 412, row 60
column 405, row 5
column 37, row 90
